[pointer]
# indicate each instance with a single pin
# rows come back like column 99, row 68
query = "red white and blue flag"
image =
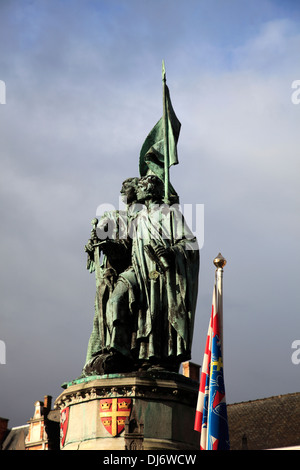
column 211, row 412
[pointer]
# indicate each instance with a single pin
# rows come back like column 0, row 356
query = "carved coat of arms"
column 113, row 414
column 64, row 419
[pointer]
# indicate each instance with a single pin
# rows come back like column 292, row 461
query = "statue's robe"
column 165, row 302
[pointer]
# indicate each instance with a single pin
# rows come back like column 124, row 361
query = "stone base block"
column 149, row 411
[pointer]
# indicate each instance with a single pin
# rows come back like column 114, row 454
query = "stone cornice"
column 171, row 387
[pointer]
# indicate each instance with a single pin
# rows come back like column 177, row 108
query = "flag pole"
column 211, row 412
column 220, row 262
column 166, row 136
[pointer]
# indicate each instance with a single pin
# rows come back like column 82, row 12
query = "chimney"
column 191, row 370
column 47, row 404
column 3, row 429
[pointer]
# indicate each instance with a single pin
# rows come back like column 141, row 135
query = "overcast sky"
column 83, row 89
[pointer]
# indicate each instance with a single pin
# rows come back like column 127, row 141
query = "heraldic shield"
column 64, row 419
column 113, row 414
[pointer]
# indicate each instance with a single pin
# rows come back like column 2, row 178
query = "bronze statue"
column 145, row 313
column 147, row 283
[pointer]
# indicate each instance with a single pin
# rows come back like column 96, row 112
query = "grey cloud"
column 83, row 91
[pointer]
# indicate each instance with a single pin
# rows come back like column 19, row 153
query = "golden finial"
column 219, row 261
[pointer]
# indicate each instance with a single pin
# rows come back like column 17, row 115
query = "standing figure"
column 111, row 328
column 165, row 259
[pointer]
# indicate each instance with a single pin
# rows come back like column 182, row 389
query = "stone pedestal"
column 149, row 411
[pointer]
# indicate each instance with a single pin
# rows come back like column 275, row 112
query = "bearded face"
column 150, row 187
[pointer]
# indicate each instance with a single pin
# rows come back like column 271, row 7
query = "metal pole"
column 220, row 262
column 166, row 136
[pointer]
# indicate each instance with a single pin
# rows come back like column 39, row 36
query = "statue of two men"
column 146, row 285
